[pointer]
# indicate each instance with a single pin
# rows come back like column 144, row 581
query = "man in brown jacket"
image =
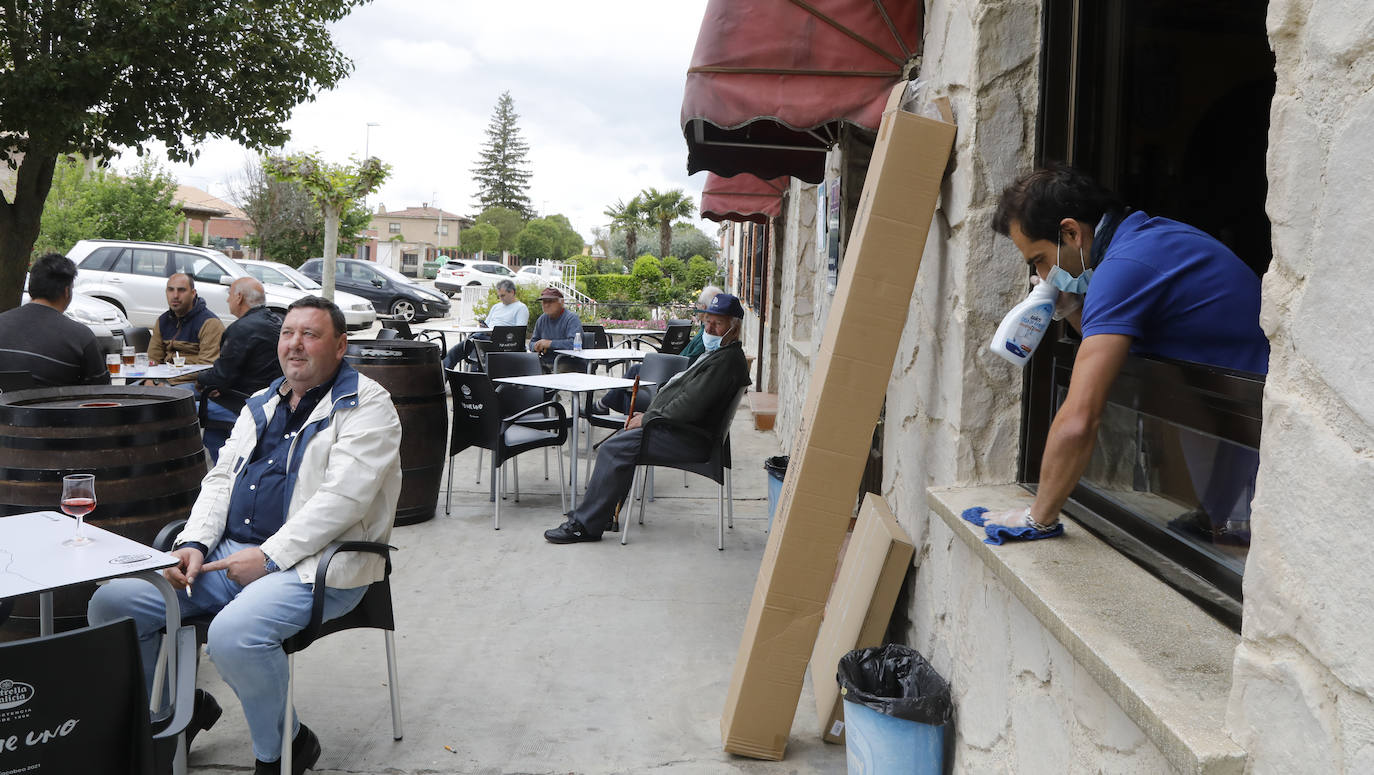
column 188, row 326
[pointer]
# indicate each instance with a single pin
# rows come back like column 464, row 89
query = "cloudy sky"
column 597, row 85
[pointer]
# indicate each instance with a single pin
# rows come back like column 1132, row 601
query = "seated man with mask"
column 696, row 396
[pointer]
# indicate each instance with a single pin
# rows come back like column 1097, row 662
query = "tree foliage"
column 664, row 208
column 91, row 76
column 287, row 224
column 627, row 219
column 549, row 238
column 701, row 273
column 479, row 238
column 502, row 172
column 101, row 205
column 507, row 222
column 335, row 188
column 688, row 240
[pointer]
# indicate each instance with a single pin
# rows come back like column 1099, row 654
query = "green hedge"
column 610, row 287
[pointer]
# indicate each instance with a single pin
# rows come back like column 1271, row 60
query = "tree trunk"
column 665, row 238
column 20, row 222
column 331, row 247
column 631, row 246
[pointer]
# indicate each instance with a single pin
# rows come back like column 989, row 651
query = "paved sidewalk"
column 518, row 656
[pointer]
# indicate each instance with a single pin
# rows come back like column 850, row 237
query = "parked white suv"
column 460, row 272
column 133, row 276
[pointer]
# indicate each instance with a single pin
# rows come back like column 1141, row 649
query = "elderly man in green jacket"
column 696, row 397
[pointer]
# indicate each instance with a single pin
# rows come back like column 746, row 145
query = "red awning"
column 742, row 198
column 772, row 81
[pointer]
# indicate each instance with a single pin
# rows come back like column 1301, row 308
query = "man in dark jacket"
column 38, row 339
column 188, row 326
column 247, row 360
column 695, row 397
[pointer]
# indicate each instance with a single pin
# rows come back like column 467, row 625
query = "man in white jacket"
column 314, row 458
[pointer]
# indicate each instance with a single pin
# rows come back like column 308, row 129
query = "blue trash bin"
column 897, row 711
column 776, row 467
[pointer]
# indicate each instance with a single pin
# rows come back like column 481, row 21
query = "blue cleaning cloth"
column 1000, row 534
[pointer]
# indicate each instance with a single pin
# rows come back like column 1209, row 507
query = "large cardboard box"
column 860, row 605
column 843, row 399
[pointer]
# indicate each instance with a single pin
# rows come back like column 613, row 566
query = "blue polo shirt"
column 258, row 504
column 1178, row 293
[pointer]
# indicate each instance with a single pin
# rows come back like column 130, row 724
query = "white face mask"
column 712, row 342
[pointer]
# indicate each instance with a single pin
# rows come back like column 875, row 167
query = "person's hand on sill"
column 1018, row 518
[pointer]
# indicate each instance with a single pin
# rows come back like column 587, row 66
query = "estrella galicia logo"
column 467, row 391
column 14, row 693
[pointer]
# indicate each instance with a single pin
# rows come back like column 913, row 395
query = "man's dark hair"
column 336, row 315
column 1041, row 199
column 51, row 276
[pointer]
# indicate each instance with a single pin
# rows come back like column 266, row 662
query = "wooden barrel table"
column 142, row 443
column 414, row 375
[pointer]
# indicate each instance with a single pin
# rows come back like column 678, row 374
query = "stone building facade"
column 1064, row 656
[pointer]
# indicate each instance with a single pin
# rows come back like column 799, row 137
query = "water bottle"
column 577, row 341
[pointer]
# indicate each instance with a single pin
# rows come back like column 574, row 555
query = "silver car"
column 358, row 312
column 133, row 276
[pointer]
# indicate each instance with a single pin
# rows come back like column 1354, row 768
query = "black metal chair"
column 657, row 368
column 516, row 398
column 504, row 339
column 93, row 675
column 713, row 462
column 479, row 420
column 16, row 380
column 675, row 339
column 373, row 611
column 402, row 330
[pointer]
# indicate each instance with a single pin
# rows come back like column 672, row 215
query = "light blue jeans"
column 245, row 636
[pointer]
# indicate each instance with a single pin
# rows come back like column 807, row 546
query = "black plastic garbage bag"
column 896, row 681
column 777, row 466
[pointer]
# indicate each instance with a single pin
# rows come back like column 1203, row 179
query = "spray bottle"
column 1023, row 328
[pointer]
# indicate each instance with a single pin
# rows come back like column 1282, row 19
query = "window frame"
column 1077, row 122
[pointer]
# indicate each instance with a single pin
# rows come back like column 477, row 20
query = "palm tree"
column 661, row 209
column 627, row 217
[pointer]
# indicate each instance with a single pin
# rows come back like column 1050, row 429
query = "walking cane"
column 634, row 393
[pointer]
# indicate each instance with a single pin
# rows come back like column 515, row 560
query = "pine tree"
column 502, row 172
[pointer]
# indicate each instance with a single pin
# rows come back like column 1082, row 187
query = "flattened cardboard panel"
column 860, row 605
column 843, row 399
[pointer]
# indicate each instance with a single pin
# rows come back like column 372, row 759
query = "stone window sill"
column 801, row 348
column 1161, row 658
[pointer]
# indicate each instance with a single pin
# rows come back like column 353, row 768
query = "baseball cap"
column 550, row 293
column 724, row 304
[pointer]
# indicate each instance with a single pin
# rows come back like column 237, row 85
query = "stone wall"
column 1023, row 704
column 1304, row 673
column 797, row 322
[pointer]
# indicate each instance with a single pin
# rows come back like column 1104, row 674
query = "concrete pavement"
column 519, row 656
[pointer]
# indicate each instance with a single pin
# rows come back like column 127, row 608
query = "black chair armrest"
column 429, row 336
column 184, row 698
column 312, row 630
column 557, row 408
column 168, row 533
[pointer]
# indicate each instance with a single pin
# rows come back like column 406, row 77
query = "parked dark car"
column 391, row 292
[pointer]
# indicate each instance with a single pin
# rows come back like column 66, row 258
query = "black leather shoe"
column 305, row 751
column 204, row 713
column 570, row 532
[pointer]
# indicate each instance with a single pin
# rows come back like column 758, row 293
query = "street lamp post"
column 367, row 139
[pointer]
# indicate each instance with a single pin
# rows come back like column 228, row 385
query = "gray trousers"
column 614, row 472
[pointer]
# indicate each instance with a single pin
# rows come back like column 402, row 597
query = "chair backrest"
column 675, row 339
column 600, row 341
column 658, row 368
column 16, row 380
column 387, row 333
column 519, row 364
column 139, row 337
column 80, row 713
column 401, row 328
column 476, row 411
column 507, row 339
